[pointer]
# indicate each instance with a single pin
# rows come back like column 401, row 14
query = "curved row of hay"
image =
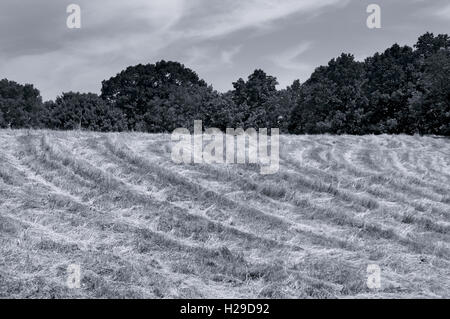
column 141, row 226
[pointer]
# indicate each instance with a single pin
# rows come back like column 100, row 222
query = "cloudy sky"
column 222, row 40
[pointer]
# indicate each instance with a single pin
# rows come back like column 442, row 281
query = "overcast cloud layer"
column 220, row 39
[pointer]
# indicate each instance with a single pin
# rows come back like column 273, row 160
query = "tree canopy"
column 20, row 105
column 153, row 97
column 401, row 90
column 84, row 111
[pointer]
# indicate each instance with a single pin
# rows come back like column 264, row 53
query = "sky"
column 222, row 40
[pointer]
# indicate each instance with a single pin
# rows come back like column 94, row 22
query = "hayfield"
column 141, row 226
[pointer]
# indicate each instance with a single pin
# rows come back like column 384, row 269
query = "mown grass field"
column 141, row 226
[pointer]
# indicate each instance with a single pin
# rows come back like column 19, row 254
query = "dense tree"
column 332, row 100
column 286, row 101
column 401, row 90
column 252, row 98
column 20, row 105
column 430, row 105
column 153, row 96
column 3, row 123
column 220, row 111
column 276, row 110
column 84, row 111
column 428, row 44
column 391, row 79
column 256, row 90
column 181, row 107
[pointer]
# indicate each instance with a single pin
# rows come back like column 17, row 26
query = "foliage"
column 156, row 97
column 332, row 100
column 20, row 105
column 84, row 111
column 430, row 103
column 401, row 90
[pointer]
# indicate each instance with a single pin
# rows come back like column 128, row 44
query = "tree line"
column 402, row 90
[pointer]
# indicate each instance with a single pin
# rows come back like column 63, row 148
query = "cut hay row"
column 142, row 226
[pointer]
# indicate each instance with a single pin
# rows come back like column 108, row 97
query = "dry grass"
column 141, row 226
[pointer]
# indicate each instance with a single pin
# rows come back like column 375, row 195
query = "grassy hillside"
column 141, row 226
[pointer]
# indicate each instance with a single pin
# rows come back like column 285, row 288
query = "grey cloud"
column 221, row 39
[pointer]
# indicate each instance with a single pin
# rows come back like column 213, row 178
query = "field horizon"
column 141, row 226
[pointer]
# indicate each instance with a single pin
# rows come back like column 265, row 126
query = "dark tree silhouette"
column 84, row 111
column 430, row 105
column 252, row 98
column 401, row 90
column 20, row 105
column 155, row 96
column 332, row 100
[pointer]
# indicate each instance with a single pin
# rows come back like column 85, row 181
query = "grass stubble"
column 141, row 226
